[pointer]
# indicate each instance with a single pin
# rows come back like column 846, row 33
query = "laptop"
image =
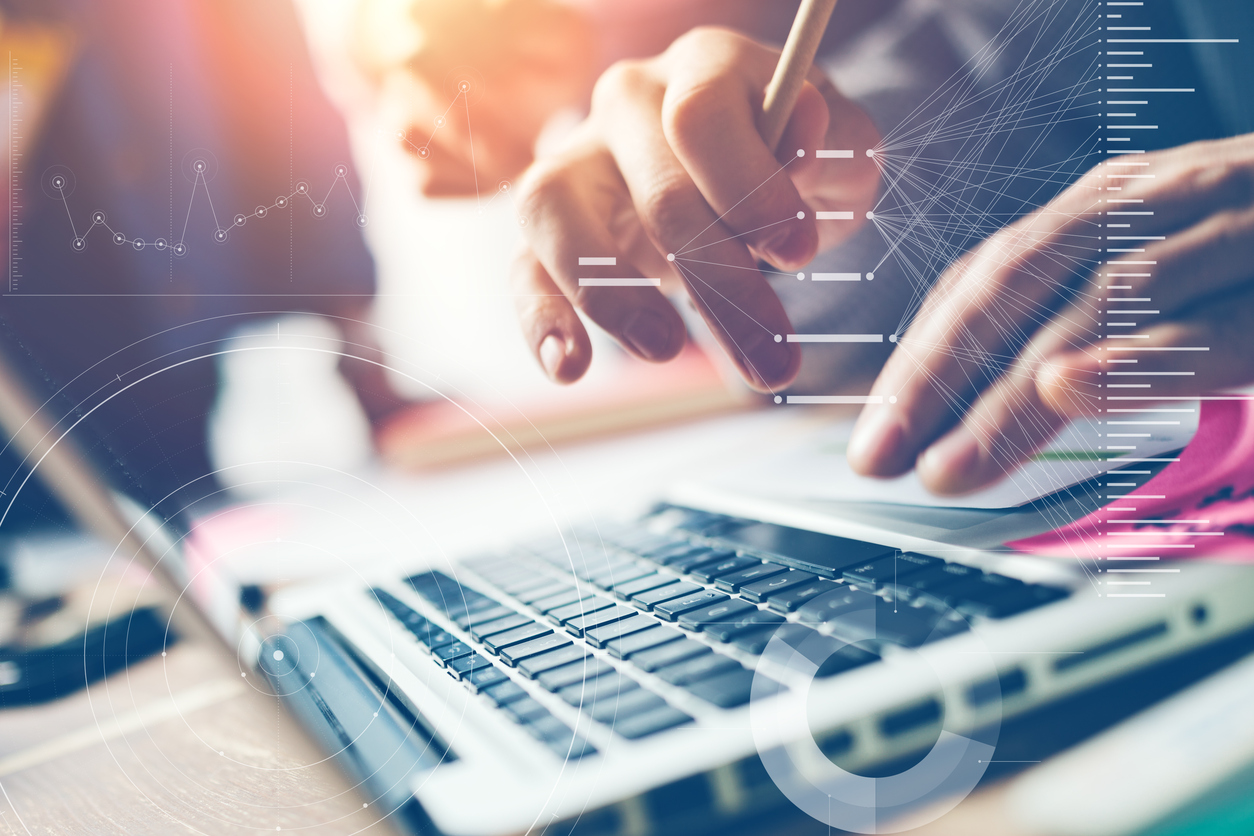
column 723, row 656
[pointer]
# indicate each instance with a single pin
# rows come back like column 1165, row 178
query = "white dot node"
column 163, row 653
column 439, row 121
column 312, row 674
column 870, row 152
column 119, row 238
column 239, row 220
column 779, row 338
column 364, row 805
column 670, row 256
column 340, row 171
column 376, row 714
column 778, row 399
column 870, row 216
column 242, row 673
column 361, row 220
column 801, row 216
column 801, row 152
column 424, row 152
column 278, row 655
column 400, row 134
column 892, row 338
column 870, row 277
column 892, row 399
column 280, row 202
column 801, row 277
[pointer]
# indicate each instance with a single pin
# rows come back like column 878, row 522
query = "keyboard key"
column 559, row 738
column 433, row 636
column 825, row 607
column 670, row 592
column 518, row 635
column 668, row 551
column 907, row 626
column 525, row 710
column 619, row 574
column 540, row 593
column 467, row 620
column 990, row 599
column 823, row 554
column 763, row 589
column 448, row 652
column 754, row 619
column 481, row 678
column 562, row 599
column 651, row 722
column 500, row 625
column 721, row 613
column 623, row 705
column 702, row 667
column 601, row 636
column 577, row 626
column 533, row 666
column 939, row 577
column 755, row 641
column 700, row 557
column 625, row 647
column 531, row 580
column 514, row 654
column 707, row 572
column 590, row 667
column 504, row 692
column 895, row 569
column 734, row 581
column 669, row 654
column 671, row 610
column 624, row 591
column 790, row 600
column 464, row 665
column 831, row 656
column 579, row 609
column 730, row 689
column 601, row 688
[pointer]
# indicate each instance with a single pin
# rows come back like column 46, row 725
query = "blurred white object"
column 284, row 411
column 1147, row 767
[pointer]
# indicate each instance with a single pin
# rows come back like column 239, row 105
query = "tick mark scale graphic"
column 60, row 185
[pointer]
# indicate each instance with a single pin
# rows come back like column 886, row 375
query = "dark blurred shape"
column 34, row 675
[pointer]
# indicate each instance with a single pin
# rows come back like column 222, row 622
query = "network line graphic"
column 59, row 184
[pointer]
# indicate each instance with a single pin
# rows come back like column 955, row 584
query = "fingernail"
column 552, row 353
column 951, row 463
column 788, row 248
column 876, row 441
column 648, row 334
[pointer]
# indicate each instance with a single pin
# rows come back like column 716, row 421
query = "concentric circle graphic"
column 842, row 799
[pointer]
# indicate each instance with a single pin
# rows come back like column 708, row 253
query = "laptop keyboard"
column 642, row 597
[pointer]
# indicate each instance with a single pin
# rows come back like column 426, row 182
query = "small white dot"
column 163, row 653
column 870, row 152
column 376, row 714
column 801, row 152
column 778, row 399
column 779, row 338
column 870, row 277
column 241, row 673
column 801, row 277
column 892, row 338
column 223, row 754
column 801, row 216
column 870, row 216
column 312, row 674
column 364, row 805
column 278, row 655
column 670, row 256
column 892, row 399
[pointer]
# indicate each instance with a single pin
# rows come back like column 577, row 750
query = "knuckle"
column 669, row 205
column 622, row 78
column 543, row 184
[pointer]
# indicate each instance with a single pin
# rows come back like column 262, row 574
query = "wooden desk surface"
column 183, row 744
column 180, row 744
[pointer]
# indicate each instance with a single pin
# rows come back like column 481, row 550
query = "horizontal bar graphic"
column 836, row 399
column 620, row 282
column 836, row 277
column 595, row 260
column 833, row 216
column 835, row 338
column 827, row 154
